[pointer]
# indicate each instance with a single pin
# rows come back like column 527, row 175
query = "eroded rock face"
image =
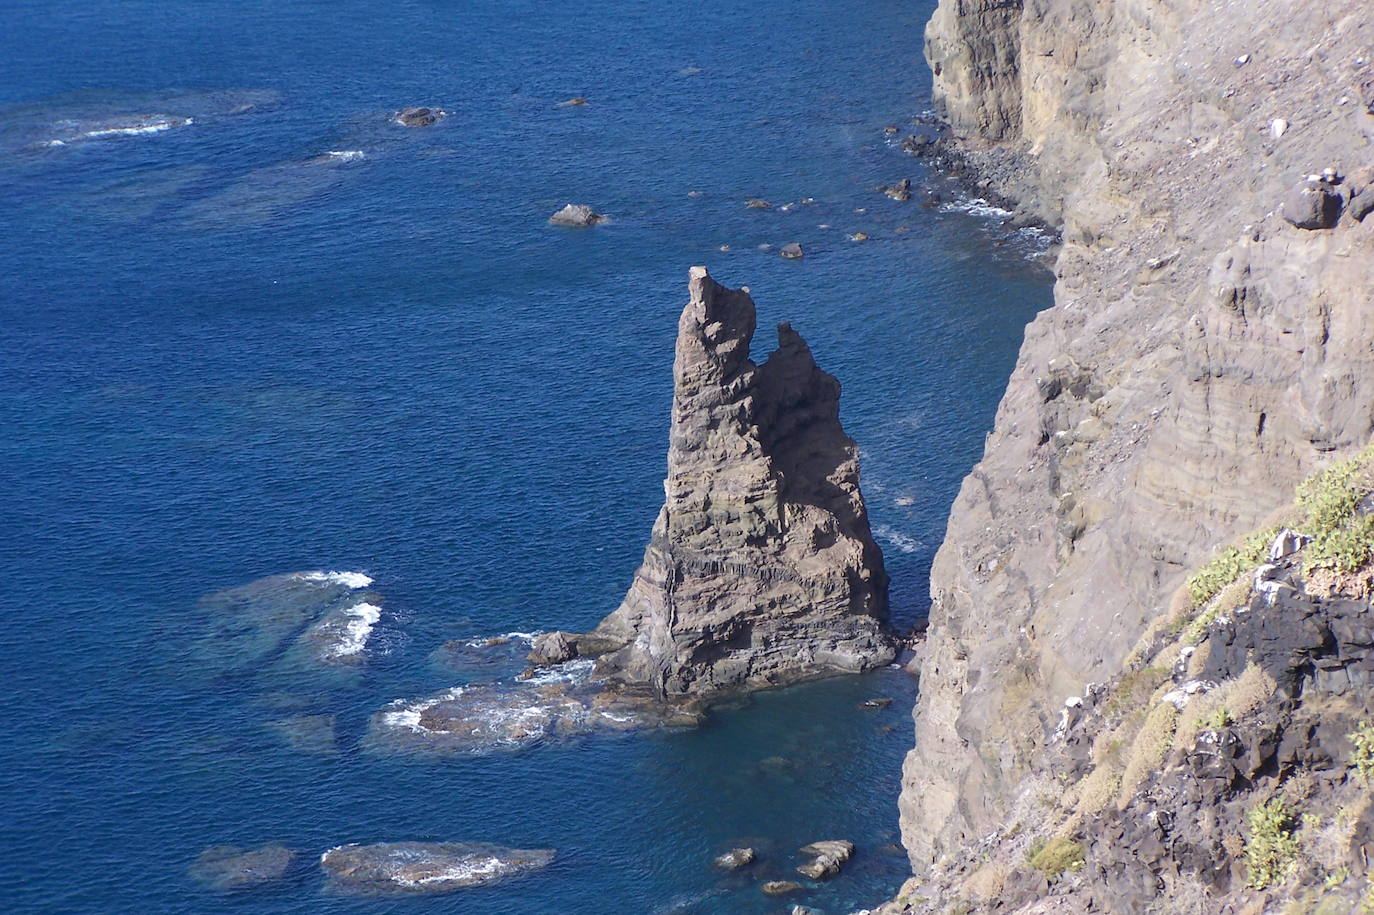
column 1203, row 353
column 761, row 569
column 427, row 867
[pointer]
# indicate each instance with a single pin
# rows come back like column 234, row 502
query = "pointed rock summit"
column 761, row 569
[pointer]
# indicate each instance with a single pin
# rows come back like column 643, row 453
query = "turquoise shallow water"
column 226, row 357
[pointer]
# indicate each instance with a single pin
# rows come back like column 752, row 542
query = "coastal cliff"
column 1209, row 347
column 761, row 569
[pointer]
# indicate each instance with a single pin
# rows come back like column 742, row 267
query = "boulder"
column 735, row 858
column 1312, row 205
column 791, row 251
column 827, row 858
column 419, row 117
column 1361, row 183
column 229, row 867
column 577, row 215
column 761, row 569
column 901, row 191
column 427, row 867
column 781, row 887
column 859, row 236
column 552, row 648
column 754, row 203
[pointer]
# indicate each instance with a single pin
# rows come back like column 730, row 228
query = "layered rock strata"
column 761, row 569
column 1203, row 354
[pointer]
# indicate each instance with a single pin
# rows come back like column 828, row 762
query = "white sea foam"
column 468, row 869
column 976, row 207
column 55, row 143
column 483, row 641
column 577, row 671
column 404, row 714
column 353, row 580
column 362, row 617
column 346, row 155
column 904, row 542
column 135, row 130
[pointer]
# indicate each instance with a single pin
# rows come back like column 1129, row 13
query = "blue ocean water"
column 228, row 354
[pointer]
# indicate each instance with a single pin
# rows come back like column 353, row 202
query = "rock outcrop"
column 1203, row 354
column 761, row 569
column 389, row 868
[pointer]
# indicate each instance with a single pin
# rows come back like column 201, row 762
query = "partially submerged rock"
column 577, row 101
column 577, row 215
column 781, row 887
column 827, row 858
column 229, row 867
column 735, row 858
column 427, row 867
column 755, row 203
column 552, row 648
column 761, row 569
column 419, row 117
column 901, row 191
column 791, row 251
column 556, row 702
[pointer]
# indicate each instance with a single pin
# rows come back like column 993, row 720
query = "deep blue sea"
column 231, row 348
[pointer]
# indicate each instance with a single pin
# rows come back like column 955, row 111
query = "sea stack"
column 761, row 569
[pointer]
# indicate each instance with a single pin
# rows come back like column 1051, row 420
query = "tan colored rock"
column 761, row 569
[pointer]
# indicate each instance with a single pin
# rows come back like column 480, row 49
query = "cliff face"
column 1203, row 353
column 761, row 569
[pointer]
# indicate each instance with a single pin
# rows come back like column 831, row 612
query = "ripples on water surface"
column 231, row 353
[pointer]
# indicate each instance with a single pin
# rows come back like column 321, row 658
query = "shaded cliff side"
column 1204, row 352
column 761, row 569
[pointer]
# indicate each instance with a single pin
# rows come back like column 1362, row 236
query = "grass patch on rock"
column 1271, row 849
column 1056, row 856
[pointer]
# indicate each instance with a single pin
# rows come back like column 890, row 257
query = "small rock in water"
column 229, row 867
column 890, row 129
column 578, row 215
column 724, row 247
column 804, row 910
column 882, row 702
column 901, row 230
column 859, row 236
column 427, row 867
column 419, row 117
column 694, row 193
column 575, row 102
column 552, row 648
column 735, row 858
column 780, row 887
column 901, row 191
column 827, row 856
column 756, row 203
column 791, row 251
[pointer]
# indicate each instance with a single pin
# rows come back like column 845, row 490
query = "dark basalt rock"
column 1312, row 205
column 420, row 117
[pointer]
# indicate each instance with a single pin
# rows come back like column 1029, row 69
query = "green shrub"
column 1271, row 852
column 1230, row 564
column 1056, row 856
column 1215, row 721
column 1341, row 540
column 1363, row 756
